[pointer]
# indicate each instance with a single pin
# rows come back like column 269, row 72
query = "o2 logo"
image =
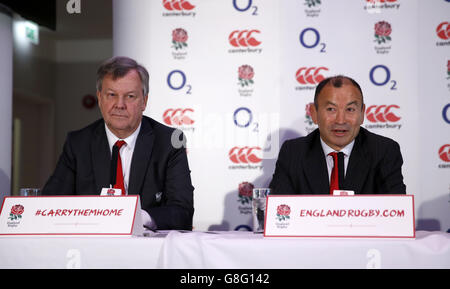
column 245, row 5
column 243, row 118
column 382, row 70
column 176, row 80
column 310, row 38
column 445, row 113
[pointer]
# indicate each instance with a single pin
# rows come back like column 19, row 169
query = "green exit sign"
column 32, row 32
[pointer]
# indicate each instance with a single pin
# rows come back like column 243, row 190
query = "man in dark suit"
column 369, row 163
column 152, row 156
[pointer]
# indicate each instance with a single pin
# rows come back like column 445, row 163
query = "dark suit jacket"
column 374, row 166
column 159, row 173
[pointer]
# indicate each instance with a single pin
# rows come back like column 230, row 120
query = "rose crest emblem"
column 312, row 3
column 245, row 192
column 179, row 38
column 448, row 69
column 16, row 212
column 382, row 32
column 246, row 75
column 283, row 212
column 308, row 117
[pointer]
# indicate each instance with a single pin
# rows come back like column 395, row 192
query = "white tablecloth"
column 241, row 250
column 80, row 252
column 226, row 250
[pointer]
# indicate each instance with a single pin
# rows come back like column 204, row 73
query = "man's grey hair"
column 118, row 67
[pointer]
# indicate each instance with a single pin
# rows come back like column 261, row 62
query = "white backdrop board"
column 237, row 76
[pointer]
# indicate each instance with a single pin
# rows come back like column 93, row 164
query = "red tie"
column 119, row 173
column 334, row 181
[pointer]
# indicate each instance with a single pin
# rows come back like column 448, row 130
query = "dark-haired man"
column 366, row 163
column 150, row 164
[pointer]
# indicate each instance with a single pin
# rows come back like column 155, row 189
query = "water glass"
column 259, row 208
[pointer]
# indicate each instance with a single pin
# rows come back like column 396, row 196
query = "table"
column 223, row 250
column 80, row 252
column 244, row 250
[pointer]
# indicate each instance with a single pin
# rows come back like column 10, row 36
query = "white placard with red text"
column 371, row 216
column 71, row 215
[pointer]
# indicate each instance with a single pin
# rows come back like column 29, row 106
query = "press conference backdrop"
column 237, row 77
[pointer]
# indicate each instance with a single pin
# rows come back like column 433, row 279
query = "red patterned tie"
column 119, row 173
column 334, row 181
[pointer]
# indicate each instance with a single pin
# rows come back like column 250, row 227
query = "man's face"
column 339, row 114
column 122, row 103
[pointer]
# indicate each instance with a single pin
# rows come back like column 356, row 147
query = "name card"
column 71, row 215
column 367, row 216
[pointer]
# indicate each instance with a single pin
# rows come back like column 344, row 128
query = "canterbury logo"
column 177, row 5
column 244, row 155
column 443, row 30
column 444, row 153
column 310, row 75
column 178, row 116
column 244, row 38
column 382, row 113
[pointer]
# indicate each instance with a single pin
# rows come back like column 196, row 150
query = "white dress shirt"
column 347, row 150
column 126, row 153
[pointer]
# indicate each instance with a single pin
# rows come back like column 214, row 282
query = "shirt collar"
column 130, row 140
column 346, row 150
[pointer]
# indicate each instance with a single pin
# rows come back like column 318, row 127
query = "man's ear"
column 145, row 102
column 363, row 113
column 98, row 96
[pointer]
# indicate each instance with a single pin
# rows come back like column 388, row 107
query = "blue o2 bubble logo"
column 310, row 38
column 245, row 5
column 380, row 75
column 242, row 117
column 183, row 79
column 445, row 113
column 176, row 80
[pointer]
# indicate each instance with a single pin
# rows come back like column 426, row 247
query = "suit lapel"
column 358, row 167
column 141, row 157
column 101, row 157
column 315, row 167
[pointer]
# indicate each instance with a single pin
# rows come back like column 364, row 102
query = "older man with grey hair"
column 128, row 151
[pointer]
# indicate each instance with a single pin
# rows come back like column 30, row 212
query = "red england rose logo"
column 308, row 113
column 179, row 38
column 246, row 74
column 16, row 212
column 448, row 69
column 382, row 32
column 312, row 3
column 245, row 192
column 283, row 212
